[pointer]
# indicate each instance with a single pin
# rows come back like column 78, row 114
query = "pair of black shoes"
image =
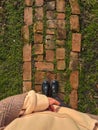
column 51, row 90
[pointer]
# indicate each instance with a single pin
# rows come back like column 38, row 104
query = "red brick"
column 74, row 79
column 27, row 86
column 60, row 53
column 39, row 77
column 60, row 7
column 27, row 52
column 29, row 2
column 60, row 16
column 38, row 38
column 39, row 2
column 61, row 65
column 50, row 76
column 38, row 58
column 74, row 6
column 27, row 71
column 76, row 42
column 39, row 13
column 74, row 23
column 44, row 66
column 28, row 16
column 38, row 27
column 74, row 99
column 25, row 34
column 49, row 55
column 38, row 48
column 38, row 88
column 61, row 24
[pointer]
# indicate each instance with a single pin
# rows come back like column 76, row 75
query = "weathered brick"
column 60, row 64
column 38, row 27
column 27, row 86
column 76, row 42
column 74, row 79
column 38, row 88
column 74, row 23
column 74, row 6
column 50, row 15
column 74, row 99
column 25, row 34
column 44, row 66
column 38, row 58
column 61, row 34
column 60, row 16
column 27, row 71
column 49, row 55
column 60, row 42
column 28, row 2
column 38, row 38
column 60, row 6
column 50, row 31
column 61, row 24
column 27, row 52
column 38, row 48
column 60, row 53
column 39, row 77
column 74, row 61
column 49, row 40
column 39, row 13
column 39, row 2
column 28, row 16
column 50, row 5
column 50, row 76
column 51, row 23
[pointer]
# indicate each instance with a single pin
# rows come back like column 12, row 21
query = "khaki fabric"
column 63, row 119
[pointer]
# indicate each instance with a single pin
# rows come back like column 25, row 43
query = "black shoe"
column 46, row 88
column 54, row 88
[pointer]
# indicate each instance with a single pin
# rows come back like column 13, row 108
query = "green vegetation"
column 11, row 21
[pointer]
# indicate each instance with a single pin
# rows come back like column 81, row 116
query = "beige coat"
column 36, row 117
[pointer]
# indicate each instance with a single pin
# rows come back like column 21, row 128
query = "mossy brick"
column 28, row 2
column 60, row 16
column 38, row 38
column 50, row 76
column 60, row 42
column 51, row 23
column 49, row 55
column 74, row 61
column 39, row 13
column 38, row 27
column 74, row 99
column 38, row 58
column 50, row 5
column 28, row 16
column 44, row 66
column 76, row 42
column 61, row 64
column 39, row 2
column 25, row 34
column 74, row 79
column 39, row 77
column 27, row 86
column 27, row 71
column 27, row 52
column 60, row 53
column 50, row 31
column 38, row 49
column 50, row 15
column 74, row 23
column 75, row 8
column 60, row 5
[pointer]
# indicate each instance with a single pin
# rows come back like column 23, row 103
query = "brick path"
column 44, row 51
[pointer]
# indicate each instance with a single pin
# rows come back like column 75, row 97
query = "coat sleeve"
column 35, row 102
